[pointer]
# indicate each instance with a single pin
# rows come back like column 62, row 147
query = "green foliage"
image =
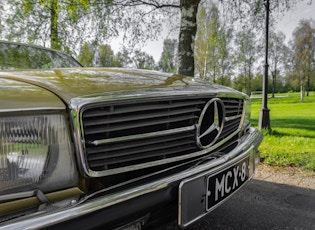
column 63, row 25
column 167, row 60
column 86, row 55
column 304, row 55
column 27, row 6
column 123, row 58
column 245, row 57
column 291, row 141
column 118, row 60
column 94, row 55
column 142, row 60
column 106, row 55
column 202, row 42
column 278, row 58
column 212, row 56
column 76, row 8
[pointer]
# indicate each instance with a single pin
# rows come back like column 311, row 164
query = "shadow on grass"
column 290, row 123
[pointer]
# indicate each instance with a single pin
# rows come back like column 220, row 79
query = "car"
column 117, row 148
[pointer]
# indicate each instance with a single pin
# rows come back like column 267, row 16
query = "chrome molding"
column 31, row 109
column 233, row 118
column 142, row 136
column 159, row 162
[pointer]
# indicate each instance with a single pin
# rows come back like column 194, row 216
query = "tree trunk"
column 273, row 74
column 302, row 92
column 308, row 85
column 54, row 36
column 204, row 69
column 188, row 29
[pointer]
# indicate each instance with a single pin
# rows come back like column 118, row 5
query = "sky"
column 290, row 20
column 285, row 23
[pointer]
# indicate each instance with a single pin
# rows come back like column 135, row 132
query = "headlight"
column 35, row 153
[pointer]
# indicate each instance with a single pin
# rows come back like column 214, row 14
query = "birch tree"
column 278, row 57
column 245, row 56
column 145, row 18
column 304, row 51
column 187, row 33
column 212, row 58
column 203, row 44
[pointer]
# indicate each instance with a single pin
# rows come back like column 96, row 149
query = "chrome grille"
column 122, row 134
column 233, row 116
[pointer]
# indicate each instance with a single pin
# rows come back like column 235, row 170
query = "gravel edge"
column 286, row 175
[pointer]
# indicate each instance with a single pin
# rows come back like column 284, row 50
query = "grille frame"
column 90, row 172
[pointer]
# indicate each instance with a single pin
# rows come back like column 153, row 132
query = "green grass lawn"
column 291, row 141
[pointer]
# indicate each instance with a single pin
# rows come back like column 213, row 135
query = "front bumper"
column 112, row 207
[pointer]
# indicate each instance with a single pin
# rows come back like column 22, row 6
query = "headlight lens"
column 35, row 153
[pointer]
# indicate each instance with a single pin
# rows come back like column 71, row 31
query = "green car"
column 82, row 148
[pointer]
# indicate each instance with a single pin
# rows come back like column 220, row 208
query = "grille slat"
column 137, row 144
column 113, row 110
column 144, row 156
column 135, row 125
column 138, row 151
column 234, row 111
column 134, row 116
column 229, row 128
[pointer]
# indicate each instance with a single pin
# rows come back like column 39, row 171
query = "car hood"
column 20, row 96
column 76, row 83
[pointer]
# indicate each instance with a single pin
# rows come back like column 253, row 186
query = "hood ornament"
column 210, row 123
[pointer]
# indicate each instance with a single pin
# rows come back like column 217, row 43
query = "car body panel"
column 17, row 95
column 89, row 82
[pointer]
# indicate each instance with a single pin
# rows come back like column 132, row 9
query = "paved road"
column 262, row 205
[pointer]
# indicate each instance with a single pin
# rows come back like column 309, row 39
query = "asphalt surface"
column 264, row 204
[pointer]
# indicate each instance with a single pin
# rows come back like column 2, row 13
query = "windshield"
column 19, row 56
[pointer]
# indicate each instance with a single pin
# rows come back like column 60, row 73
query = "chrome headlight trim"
column 246, row 113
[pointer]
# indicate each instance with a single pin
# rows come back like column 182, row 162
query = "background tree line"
column 220, row 41
column 234, row 57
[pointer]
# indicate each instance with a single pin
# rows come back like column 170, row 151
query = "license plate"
column 222, row 185
column 202, row 194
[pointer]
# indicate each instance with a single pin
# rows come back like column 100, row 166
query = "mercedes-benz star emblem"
column 210, row 123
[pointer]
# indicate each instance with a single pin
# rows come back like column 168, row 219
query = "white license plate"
column 202, row 194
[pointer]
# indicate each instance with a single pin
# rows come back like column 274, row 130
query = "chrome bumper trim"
column 247, row 143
